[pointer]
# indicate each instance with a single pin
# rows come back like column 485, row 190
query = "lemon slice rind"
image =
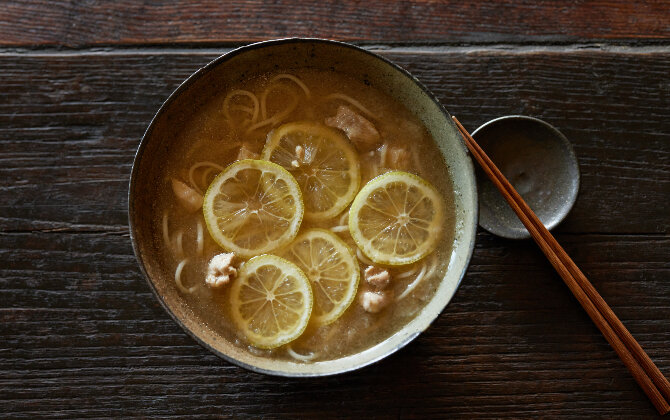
column 338, row 144
column 294, row 208
column 337, row 272
column 432, row 228
column 295, row 300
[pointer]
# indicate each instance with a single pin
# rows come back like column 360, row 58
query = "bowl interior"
column 264, row 57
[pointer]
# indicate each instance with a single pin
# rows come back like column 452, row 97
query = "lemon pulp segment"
column 332, row 270
column 397, row 218
column 323, row 162
column 253, row 207
column 271, row 301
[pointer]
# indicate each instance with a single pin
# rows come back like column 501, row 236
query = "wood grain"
column 77, row 120
column 83, row 336
column 97, row 22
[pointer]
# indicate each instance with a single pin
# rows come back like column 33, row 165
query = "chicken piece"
column 221, row 270
column 246, row 153
column 374, row 302
column 186, row 196
column 398, row 158
column 377, row 277
column 360, row 131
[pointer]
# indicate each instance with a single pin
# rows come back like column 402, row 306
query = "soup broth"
column 234, row 124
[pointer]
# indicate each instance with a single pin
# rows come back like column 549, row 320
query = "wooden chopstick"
column 643, row 369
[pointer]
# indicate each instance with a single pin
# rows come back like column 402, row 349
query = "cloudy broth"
column 212, row 138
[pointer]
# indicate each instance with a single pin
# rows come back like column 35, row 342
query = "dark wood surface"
column 99, row 22
column 83, row 336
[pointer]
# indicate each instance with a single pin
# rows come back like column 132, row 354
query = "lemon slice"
column 397, row 218
column 271, row 301
column 322, row 161
column 332, row 270
column 253, row 207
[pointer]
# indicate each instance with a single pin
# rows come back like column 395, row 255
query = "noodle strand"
column 352, row 101
column 344, row 217
column 177, row 277
column 166, row 233
column 200, row 238
column 227, row 108
column 433, row 267
column 197, row 165
column 382, row 154
column 180, row 247
column 294, row 79
column 264, row 97
column 413, row 285
column 276, row 118
column 363, row 258
column 425, row 273
column 204, row 176
column 405, row 274
column 298, row 356
column 242, row 108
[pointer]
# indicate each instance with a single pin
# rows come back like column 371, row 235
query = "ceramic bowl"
column 541, row 165
column 264, row 57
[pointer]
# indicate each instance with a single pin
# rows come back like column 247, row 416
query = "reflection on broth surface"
column 328, row 136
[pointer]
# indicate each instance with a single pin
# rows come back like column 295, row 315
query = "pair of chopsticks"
column 645, row 372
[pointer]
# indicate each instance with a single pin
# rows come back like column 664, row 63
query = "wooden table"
column 82, row 334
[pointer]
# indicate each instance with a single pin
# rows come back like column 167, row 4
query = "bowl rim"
column 568, row 205
column 200, row 73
